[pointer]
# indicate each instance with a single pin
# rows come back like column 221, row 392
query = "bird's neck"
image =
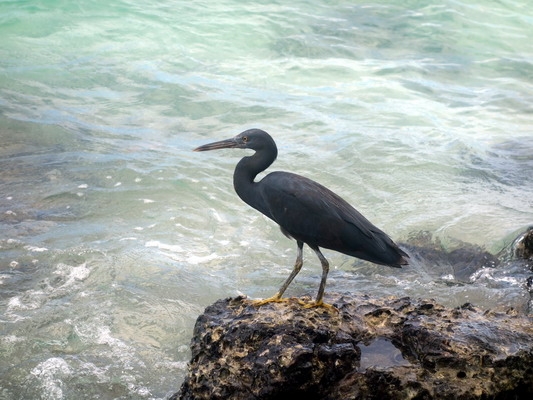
column 245, row 173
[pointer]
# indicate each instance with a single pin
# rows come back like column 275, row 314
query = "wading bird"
column 305, row 211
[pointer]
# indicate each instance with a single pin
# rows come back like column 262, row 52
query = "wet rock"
column 372, row 348
column 518, row 247
column 464, row 259
column 522, row 247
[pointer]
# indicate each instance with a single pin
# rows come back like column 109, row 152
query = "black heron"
column 305, row 210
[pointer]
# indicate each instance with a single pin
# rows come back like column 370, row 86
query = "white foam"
column 13, row 339
column 72, row 274
column 127, row 238
column 201, row 259
column 51, row 374
column 163, row 246
column 35, row 249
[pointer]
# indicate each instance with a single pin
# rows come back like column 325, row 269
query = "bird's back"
column 310, row 212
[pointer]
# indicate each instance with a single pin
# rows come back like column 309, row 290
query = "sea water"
column 114, row 235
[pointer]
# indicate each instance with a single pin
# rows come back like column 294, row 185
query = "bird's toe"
column 273, row 299
column 315, row 304
column 278, row 299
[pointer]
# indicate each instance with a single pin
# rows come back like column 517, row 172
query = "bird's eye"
column 245, row 139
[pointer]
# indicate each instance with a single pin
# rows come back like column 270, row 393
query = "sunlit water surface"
column 115, row 235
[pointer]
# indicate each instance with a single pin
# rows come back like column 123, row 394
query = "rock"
column 463, row 258
column 372, row 348
column 523, row 246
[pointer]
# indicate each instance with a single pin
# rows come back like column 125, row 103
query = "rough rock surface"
column 372, row 348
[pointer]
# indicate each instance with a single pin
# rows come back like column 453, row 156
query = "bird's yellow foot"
column 273, row 299
column 313, row 304
column 277, row 299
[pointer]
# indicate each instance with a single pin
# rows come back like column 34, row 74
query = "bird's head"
column 255, row 139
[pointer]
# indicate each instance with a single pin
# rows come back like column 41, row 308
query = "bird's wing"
column 297, row 204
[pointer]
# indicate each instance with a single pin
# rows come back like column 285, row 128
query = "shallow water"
column 115, row 235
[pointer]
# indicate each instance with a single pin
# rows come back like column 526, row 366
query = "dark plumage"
column 305, row 210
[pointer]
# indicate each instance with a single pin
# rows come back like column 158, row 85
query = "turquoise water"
column 114, row 235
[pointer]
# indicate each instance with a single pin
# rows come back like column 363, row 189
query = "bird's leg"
column 297, row 267
column 325, row 269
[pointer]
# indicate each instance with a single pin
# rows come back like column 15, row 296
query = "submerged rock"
column 372, row 348
column 464, row 259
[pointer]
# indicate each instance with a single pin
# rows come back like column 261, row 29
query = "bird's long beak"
column 222, row 144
